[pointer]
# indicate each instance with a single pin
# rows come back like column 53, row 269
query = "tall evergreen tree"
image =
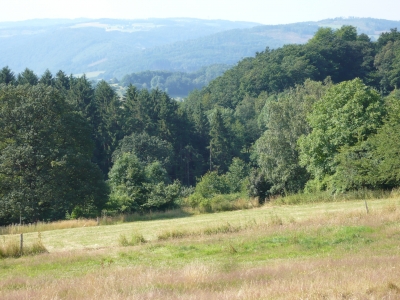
column 47, row 78
column 61, row 81
column 219, row 143
column 27, row 77
column 7, row 76
column 107, row 130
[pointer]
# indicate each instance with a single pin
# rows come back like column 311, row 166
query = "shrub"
column 173, row 234
column 136, row 187
column 210, row 185
column 136, row 239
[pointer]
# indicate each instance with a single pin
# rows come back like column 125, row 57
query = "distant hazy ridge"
column 114, row 48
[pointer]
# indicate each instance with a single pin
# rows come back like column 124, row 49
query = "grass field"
column 314, row 251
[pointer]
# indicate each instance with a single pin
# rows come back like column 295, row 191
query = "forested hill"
column 323, row 116
column 114, row 48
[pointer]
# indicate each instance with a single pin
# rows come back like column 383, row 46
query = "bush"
column 221, row 202
column 162, row 196
column 211, row 184
column 174, row 234
column 136, row 187
column 83, row 211
column 212, row 194
column 136, row 239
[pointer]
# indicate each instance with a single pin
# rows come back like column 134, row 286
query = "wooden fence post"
column 21, row 244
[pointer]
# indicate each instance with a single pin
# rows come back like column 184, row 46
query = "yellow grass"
column 43, row 226
column 352, row 277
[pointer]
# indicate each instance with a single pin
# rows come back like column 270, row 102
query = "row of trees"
column 300, row 118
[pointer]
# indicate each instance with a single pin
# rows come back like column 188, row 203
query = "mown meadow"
column 332, row 250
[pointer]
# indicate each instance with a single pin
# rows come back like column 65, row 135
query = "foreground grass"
column 326, row 250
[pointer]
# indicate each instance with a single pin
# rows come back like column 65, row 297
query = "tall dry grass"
column 12, row 248
column 105, row 220
column 148, row 216
column 46, row 226
column 352, row 277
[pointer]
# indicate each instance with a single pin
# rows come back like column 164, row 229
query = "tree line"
column 301, row 118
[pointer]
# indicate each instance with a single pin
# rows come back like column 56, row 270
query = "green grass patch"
column 243, row 248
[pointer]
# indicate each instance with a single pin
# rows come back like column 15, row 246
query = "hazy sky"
column 261, row 11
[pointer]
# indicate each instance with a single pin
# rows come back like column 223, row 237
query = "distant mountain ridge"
column 113, row 48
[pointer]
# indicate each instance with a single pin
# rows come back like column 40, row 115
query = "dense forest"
column 320, row 116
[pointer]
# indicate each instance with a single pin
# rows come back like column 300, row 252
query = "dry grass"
column 105, row 220
column 223, row 256
column 12, row 248
column 368, row 277
column 44, row 226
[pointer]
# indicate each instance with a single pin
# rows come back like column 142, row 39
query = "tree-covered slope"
column 312, row 117
column 307, row 116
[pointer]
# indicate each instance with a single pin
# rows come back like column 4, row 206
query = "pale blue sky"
column 261, row 11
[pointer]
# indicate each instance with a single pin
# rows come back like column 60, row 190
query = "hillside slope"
column 78, row 46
